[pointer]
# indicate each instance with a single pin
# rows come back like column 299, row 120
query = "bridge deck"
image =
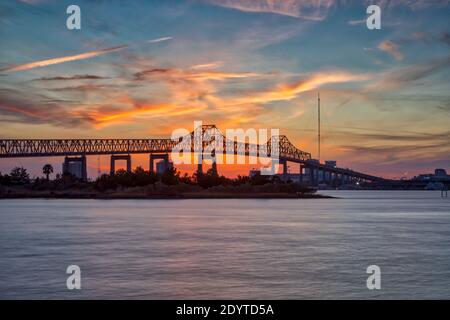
column 21, row 148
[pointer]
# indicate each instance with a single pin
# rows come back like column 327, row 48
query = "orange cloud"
column 287, row 92
column 210, row 65
column 145, row 110
column 392, row 49
column 194, row 75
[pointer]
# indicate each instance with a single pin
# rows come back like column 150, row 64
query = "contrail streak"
column 49, row 62
column 81, row 56
column 160, row 39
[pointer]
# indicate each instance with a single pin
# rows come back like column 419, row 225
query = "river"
column 228, row 249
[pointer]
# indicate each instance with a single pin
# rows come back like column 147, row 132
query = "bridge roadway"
column 123, row 148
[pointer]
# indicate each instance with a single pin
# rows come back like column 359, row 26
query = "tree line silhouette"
column 139, row 177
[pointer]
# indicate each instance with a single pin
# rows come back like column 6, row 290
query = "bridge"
column 76, row 150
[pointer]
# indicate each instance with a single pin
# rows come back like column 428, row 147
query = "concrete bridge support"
column 75, row 166
column 153, row 157
column 285, row 167
column 215, row 172
column 199, row 165
column 320, row 176
column 312, row 176
column 114, row 158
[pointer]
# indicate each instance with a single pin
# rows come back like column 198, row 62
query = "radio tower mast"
column 318, row 126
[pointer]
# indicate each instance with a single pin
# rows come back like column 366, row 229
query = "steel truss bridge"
column 197, row 142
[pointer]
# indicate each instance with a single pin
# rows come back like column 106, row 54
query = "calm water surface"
column 250, row 249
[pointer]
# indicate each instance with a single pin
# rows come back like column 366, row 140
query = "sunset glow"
column 152, row 68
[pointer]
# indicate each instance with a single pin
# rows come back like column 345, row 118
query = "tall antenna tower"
column 318, row 126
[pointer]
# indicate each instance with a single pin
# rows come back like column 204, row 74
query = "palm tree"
column 47, row 170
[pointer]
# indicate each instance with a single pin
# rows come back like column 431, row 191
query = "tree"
column 19, row 175
column 47, row 170
column 186, row 179
column 170, row 177
column 5, row 179
column 259, row 179
column 240, row 180
column 211, row 179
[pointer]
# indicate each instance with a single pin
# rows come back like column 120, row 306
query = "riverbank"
column 107, row 187
column 169, row 196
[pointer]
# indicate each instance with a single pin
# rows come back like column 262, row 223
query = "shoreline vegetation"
column 142, row 184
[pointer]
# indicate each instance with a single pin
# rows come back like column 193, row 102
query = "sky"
column 141, row 69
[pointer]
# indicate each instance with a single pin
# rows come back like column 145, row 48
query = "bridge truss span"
column 208, row 140
column 16, row 148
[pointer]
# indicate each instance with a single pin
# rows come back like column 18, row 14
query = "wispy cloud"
column 49, row 62
column 38, row 109
column 81, row 56
column 193, row 75
column 429, row 38
column 356, row 22
column 392, row 49
column 286, row 92
column 412, row 4
column 210, row 65
column 406, row 76
column 160, row 39
column 317, row 10
column 74, row 77
column 306, row 9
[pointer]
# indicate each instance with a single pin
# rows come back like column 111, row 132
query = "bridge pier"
column 285, row 169
column 199, row 165
column 312, row 176
column 114, row 158
column 153, row 157
column 215, row 173
column 76, row 166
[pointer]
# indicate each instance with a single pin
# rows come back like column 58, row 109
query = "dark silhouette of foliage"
column 211, row 179
column 5, row 179
column 138, row 178
column 171, row 181
column 259, row 179
column 170, row 177
column 142, row 177
column 47, row 170
column 19, row 176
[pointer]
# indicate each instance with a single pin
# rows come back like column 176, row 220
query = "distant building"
column 162, row 166
column 75, row 166
column 440, row 175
